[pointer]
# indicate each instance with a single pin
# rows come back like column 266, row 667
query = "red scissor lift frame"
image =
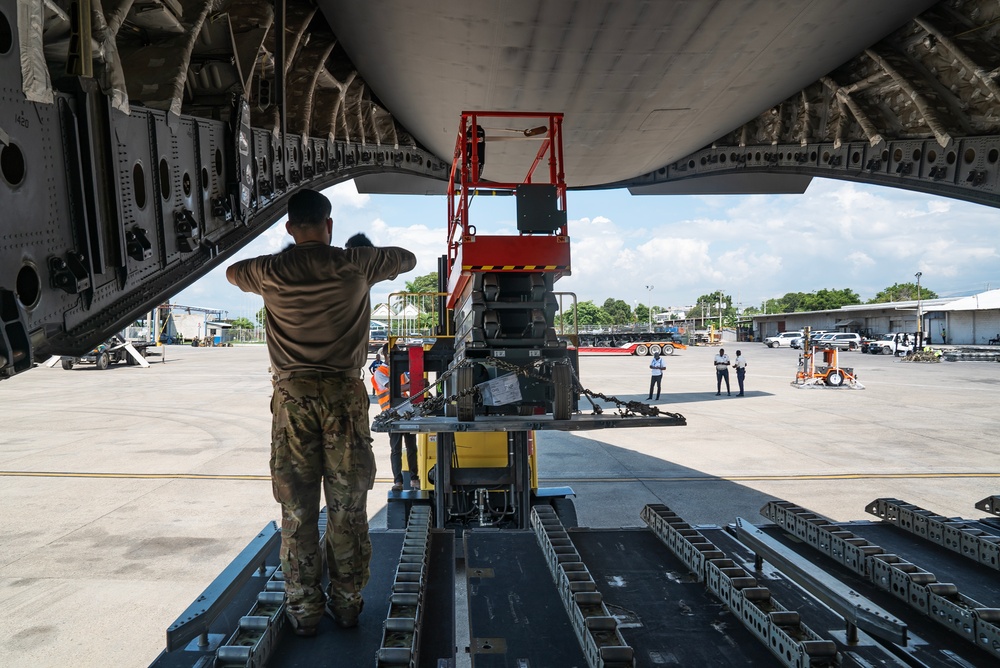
column 468, row 251
column 521, row 268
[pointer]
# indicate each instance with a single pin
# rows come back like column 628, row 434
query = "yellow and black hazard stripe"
column 514, row 267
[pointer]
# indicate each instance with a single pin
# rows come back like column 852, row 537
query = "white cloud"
column 427, row 243
column 836, row 235
column 938, row 206
column 346, row 195
column 860, row 260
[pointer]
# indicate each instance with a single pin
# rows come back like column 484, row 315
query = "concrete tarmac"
column 124, row 492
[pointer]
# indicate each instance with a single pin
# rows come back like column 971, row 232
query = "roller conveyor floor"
column 358, row 646
column 931, row 644
column 517, row 616
column 667, row 617
column 515, row 613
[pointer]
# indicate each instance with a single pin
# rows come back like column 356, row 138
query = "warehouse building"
column 973, row 320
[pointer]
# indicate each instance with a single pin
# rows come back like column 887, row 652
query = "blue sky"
column 835, row 235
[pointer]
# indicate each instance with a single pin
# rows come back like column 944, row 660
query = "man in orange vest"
column 380, row 382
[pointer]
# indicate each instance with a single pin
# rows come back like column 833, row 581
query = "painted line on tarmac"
column 138, row 476
column 143, row 476
column 578, row 479
column 751, row 478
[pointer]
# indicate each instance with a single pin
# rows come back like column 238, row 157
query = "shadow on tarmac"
column 612, row 484
column 667, row 398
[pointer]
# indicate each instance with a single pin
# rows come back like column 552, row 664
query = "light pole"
column 920, row 318
column 720, row 316
column 649, row 306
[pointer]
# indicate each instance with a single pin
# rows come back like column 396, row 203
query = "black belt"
column 319, row 375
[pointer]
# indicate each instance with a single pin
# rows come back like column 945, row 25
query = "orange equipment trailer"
column 819, row 367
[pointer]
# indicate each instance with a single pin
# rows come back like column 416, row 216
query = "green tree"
column 618, row 310
column 241, row 323
column 821, row 300
column 425, row 283
column 774, row 306
column 825, row 300
column 712, row 301
column 788, row 303
column 641, row 313
column 587, row 313
column 902, row 292
column 261, row 316
column 427, row 320
column 707, row 308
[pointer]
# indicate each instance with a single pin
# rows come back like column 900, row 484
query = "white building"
column 974, row 319
column 971, row 320
column 404, row 319
column 184, row 323
column 196, row 325
column 671, row 313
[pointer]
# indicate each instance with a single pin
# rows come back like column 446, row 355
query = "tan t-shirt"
column 318, row 308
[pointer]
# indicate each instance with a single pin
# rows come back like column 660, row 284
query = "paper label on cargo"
column 501, row 390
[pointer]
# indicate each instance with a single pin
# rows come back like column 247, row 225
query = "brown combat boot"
column 345, row 618
column 300, row 629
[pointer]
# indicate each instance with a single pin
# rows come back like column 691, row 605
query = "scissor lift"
column 500, row 287
column 495, row 310
column 498, row 370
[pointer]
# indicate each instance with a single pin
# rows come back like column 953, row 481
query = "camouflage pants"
column 320, row 435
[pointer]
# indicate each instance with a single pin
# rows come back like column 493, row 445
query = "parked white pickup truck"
column 898, row 343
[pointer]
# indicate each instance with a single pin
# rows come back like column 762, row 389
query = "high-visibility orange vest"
column 404, row 381
column 382, row 392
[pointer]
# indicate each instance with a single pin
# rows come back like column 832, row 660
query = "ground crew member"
column 376, row 363
column 380, row 381
column 721, row 363
column 741, row 370
column 318, row 307
column 656, row 376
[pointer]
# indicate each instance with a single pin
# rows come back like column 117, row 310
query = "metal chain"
column 427, row 407
column 625, row 408
column 434, row 403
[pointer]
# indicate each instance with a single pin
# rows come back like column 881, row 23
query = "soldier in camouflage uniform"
column 318, row 306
